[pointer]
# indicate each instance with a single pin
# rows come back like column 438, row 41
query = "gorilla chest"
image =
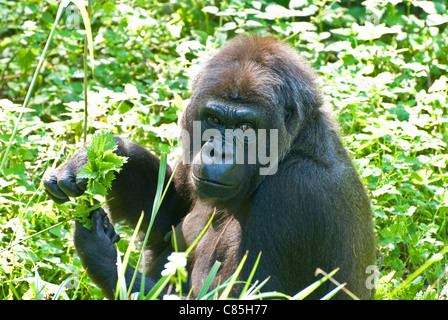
column 221, row 242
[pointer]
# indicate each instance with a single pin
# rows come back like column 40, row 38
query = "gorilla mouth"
column 211, row 182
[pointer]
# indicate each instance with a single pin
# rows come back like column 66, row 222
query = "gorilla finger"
column 56, row 199
column 52, row 189
column 80, row 229
column 115, row 238
column 97, row 222
column 67, row 183
column 101, row 212
column 98, row 217
column 81, row 183
column 82, row 235
column 106, row 223
column 109, row 229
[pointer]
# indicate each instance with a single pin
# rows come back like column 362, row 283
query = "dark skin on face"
column 312, row 212
column 218, row 179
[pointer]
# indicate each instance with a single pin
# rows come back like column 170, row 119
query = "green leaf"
column 103, row 142
column 82, row 213
column 102, row 163
column 87, row 172
column 107, row 180
column 436, row 19
column 106, row 166
column 112, row 158
column 97, row 187
column 91, row 153
column 208, row 281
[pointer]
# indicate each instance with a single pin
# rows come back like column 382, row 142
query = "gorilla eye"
column 246, row 126
column 214, row 120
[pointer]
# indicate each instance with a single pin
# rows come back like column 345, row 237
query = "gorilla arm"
column 133, row 189
column 132, row 192
column 98, row 255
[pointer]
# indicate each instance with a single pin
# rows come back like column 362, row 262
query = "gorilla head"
column 248, row 104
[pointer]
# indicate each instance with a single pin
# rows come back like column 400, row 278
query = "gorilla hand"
column 97, row 252
column 63, row 183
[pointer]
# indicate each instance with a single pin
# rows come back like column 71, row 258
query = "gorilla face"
column 226, row 166
column 230, row 146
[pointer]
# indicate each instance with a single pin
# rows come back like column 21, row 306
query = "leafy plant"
column 102, row 163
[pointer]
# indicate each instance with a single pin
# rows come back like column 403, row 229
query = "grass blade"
column 156, row 205
column 255, row 287
column 330, row 294
column 229, row 287
column 86, row 20
column 64, row 284
column 121, row 283
column 158, row 288
column 249, row 280
column 268, row 295
column 38, row 285
column 307, row 291
column 200, row 235
column 30, row 91
column 126, row 259
column 209, row 280
column 429, row 262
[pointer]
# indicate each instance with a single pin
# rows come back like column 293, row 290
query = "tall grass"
column 89, row 44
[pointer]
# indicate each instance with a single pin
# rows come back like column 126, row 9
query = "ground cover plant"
column 382, row 64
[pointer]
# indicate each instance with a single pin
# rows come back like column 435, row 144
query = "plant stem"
column 33, row 84
column 85, row 80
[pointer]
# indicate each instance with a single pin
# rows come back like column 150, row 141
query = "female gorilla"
column 311, row 211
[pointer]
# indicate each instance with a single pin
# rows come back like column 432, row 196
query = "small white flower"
column 177, row 260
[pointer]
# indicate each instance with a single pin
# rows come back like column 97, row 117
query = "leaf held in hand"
column 102, row 163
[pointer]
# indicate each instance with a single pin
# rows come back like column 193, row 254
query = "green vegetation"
column 102, row 163
column 382, row 66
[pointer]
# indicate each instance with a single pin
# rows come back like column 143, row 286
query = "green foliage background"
column 382, row 66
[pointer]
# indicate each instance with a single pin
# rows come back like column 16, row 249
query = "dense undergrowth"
column 382, row 65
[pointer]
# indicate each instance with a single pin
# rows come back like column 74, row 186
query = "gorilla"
column 255, row 105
